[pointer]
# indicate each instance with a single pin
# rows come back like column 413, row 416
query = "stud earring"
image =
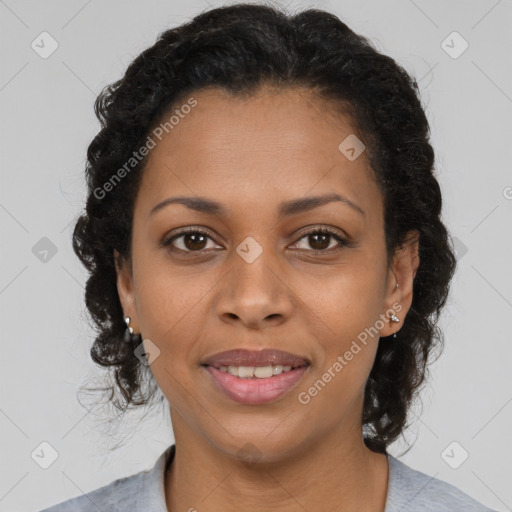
column 129, row 330
column 394, row 318
column 127, row 321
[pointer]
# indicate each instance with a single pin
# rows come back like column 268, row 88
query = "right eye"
column 193, row 240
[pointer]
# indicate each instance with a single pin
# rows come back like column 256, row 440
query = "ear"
column 402, row 271
column 125, row 290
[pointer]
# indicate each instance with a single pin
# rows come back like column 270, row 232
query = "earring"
column 394, row 318
column 129, row 330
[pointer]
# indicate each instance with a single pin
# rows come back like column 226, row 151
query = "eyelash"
column 317, row 231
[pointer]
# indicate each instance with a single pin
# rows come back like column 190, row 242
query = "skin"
column 250, row 155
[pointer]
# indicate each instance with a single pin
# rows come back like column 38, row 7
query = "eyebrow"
column 287, row 208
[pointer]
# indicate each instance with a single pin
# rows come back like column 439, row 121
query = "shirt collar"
column 151, row 491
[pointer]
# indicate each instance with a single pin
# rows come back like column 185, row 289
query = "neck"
column 328, row 475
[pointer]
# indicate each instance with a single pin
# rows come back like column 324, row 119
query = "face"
column 262, row 271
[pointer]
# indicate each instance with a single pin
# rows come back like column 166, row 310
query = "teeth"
column 245, row 372
column 260, row 372
column 263, row 372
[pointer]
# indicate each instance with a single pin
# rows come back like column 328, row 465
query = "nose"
column 255, row 294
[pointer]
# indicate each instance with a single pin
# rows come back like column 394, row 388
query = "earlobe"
column 124, row 286
column 400, row 292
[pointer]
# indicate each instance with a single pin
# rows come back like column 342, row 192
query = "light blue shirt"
column 408, row 491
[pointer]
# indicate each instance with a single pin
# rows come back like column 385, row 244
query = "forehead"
column 272, row 121
column 278, row 143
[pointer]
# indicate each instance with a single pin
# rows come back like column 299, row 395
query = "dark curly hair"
column 239, row 48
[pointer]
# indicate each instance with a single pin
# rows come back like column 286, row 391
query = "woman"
column 264, row 239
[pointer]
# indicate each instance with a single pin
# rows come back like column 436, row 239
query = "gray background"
column 47, row 121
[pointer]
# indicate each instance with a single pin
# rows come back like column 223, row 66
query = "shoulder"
column 116, row 496
column 142, row 492
column 410, row 490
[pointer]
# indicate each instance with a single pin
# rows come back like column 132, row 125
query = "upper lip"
column 245, row 357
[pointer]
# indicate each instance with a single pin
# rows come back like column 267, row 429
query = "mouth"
column 255, row 377
column 257, row 358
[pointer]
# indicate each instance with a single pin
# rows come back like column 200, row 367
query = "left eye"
column 320, row 237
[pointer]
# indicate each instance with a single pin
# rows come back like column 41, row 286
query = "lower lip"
column 256, row 391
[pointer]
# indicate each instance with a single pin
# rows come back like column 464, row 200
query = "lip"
column 255, row 391
column 264, row 357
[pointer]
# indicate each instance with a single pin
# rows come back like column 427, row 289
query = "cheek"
column 346, row 313
column 346, row 299
column 172, row 309
column 338, row 390
column 170, row 298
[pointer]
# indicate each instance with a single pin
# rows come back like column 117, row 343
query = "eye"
column 193, row 240
column 319, row 240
